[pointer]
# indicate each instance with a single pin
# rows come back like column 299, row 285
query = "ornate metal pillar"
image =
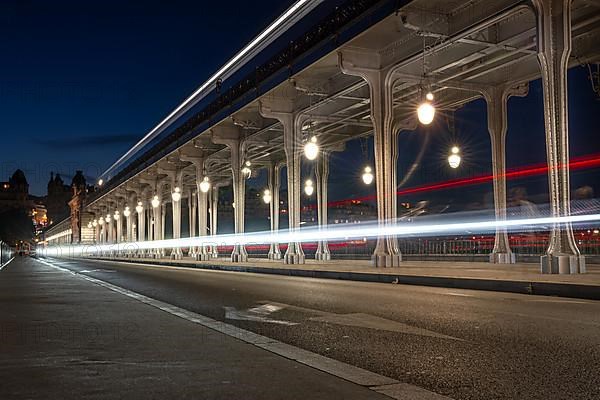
column 157, row 218
column 554, row 48
column 176, row 194
column 119, row 225
column 214, row 212
column 274, row 185
column 322, row 175
column 497, row 99
column 110, row 228
column 230, row 136
column 284, row 111
column 203, row 251
column 385, row 133
column 141, row 221
column 192, row 219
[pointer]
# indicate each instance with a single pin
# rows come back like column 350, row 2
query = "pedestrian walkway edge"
column 570, row 290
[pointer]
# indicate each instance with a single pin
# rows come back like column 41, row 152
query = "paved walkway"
column 518, row 278
column 63, row 337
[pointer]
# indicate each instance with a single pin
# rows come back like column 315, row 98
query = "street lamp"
column 117, row 215
column 176, row 195
column 89, row 224
column 205, row 185
column 95, row 223
column 107, row 219
column 308, row 187
column 127, row 212
column 101, row 221
column 311, row 148
column 100, row 182
column 267, row 196
column 426, row 110
column 454, row 157
column 139, row 208
column 155, row 201
column 367, row 176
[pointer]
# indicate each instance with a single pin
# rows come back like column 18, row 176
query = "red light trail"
column 577, row 163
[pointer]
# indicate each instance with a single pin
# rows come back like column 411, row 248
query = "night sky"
column 81, row 82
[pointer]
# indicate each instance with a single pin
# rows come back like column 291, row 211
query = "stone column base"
column 176, row 254
column 386, row 260
column 238, row 258
column 503, row 258
column 274, row 256
column 325, row 256
column 294, row 258
column 202, row 256
column 562, row 264
column 239, row 254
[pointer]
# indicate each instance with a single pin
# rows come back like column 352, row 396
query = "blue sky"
column 80, row 82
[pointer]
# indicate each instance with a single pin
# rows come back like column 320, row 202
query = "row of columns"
column 562, row 256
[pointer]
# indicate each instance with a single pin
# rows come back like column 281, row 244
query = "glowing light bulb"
column 176, row 195
column 155, row 201
column 100, row 182
column 454, row 159
column 246, row 170
column 89, row 225
column 127, row 212
column 101, row 221
column 426, row 113
column 308, row 187
column 311, row 149
column 107, row 219
column 139, row 208
column 117, row 215
column 267, row 196
column 367, row 176
column 205, row 185
column 95, row 223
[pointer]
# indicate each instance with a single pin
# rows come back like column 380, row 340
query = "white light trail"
column 345, row 232
column 293, row 14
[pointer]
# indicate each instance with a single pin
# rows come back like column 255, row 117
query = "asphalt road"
column 460, row 343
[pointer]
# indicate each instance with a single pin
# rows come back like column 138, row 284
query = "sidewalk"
column 516, row 278
column 63, row 337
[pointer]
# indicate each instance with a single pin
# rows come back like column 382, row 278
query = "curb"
column 570, row 290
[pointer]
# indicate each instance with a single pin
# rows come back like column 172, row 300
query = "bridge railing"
column 6, row 254
column 524, row 245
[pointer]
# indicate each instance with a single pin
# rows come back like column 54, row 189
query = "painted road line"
column 378, row 383
column 8, row 262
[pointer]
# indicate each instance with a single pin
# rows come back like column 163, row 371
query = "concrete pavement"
column 63, row 337
column 464, row 344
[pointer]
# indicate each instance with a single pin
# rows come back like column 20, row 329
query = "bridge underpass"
column 368, row 85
